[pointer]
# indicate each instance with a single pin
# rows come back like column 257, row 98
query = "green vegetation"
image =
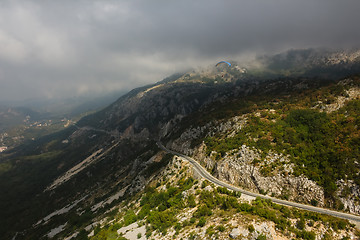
column 210, row 230
column 129, row 218
column 261, row 237
column 159, row 210
column 323, row 146
column 105, row 233
column 42, row 157
column 202, row 222
column 221, row 228
column 4, row 167
column 251, row 228
column 280, row 216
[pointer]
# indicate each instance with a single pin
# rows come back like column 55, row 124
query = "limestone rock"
column 234, row 233
column 349, row 193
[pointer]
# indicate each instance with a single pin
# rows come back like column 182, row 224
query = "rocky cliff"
column 272, row 173
column 243, row 167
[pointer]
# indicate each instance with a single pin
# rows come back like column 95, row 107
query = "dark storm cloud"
column 66, row 48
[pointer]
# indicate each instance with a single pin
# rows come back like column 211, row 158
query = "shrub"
column 144, row 211
column 191, row 201
column 300, row 224
column 245, row 207
column 185, row 223
column 129, row 218
column 177, row 226
column 339, row 224
column 314, row 202
column 261, row 237
column 202, row 222
column 251, row 228
column 203, row 210
column 148, row 234
column 223, row 190
column 161, row 220
column 306, row 235
column 221, row 228
column 211, row 199
column 210, row 231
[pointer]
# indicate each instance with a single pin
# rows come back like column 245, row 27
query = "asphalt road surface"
column 205, row 174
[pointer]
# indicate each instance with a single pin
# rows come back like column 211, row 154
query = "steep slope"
column 289, row 145
column 67, row 180
column 179, row 204
column 94, row 159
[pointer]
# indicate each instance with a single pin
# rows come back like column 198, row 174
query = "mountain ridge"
column 117, row 143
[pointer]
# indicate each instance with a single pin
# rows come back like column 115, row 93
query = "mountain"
column 287, row 135
column 324, row 63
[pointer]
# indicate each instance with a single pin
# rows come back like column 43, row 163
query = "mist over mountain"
column 73, row 48
column 291, row 121
column 318, row 62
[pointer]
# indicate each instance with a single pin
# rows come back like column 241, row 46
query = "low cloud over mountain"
column 68, row 48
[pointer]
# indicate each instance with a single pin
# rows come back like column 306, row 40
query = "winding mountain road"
column 205, row 174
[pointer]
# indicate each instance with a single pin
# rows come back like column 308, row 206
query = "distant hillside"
column 12, row 116
column 322, row 63
column 24, row 121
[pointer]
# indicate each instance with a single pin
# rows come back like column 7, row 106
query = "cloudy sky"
column 66, row 48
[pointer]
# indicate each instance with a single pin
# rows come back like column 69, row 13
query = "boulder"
column 234, row 233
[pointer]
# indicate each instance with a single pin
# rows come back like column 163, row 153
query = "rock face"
column 228, row 128
column 238, row 168
column 349, row 195
column 261, row 229
column 244, row 167
column 350, row 94
column 234, row 233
